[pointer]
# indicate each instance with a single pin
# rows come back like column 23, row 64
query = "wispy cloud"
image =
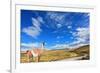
column 81, row 36
column 27, row 46
column 36, row 23
column 59, row 21
column 40, row 19
column 35, row 29
column 59, row 37
column 58, row 17
column 69, row 27
column 59, row 25
column 59, row 46
column 31, row 31
column 68, row 46
column 30, row 44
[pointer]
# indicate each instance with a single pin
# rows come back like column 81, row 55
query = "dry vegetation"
column 54, row 55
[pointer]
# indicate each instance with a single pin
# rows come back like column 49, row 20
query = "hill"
column 56, row 55
column 84, row 50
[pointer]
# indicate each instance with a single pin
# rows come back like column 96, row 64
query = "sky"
column 58, row 30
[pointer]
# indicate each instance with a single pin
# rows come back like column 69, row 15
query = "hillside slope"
column 56, row 55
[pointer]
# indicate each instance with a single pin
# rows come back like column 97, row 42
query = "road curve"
column 75, row 58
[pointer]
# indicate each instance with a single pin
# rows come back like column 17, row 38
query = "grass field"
column 56, row 55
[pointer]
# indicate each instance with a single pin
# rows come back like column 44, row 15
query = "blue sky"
column 58, row 30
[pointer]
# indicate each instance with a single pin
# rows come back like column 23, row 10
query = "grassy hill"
column 84, row 50
column 55, row 55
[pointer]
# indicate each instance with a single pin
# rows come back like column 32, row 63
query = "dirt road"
column 75, row 58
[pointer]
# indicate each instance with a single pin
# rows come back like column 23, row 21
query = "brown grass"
column 54, row 55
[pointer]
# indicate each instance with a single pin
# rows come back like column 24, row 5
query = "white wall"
column 5, row 37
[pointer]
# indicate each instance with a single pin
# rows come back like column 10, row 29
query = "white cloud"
column 31, row 31
column 59, row 46
column 35, row 29
column 40, row 19
column 86, row 15
column 36, row 23
column 68, row 46
column 58, row 37
column 81, row 37
column 59, row 25
column 74, row 46
column 30, row 45
column 82, row 34
column 69, row 27
column 58, row 17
